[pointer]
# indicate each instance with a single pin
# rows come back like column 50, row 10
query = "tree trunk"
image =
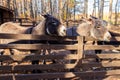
column 51, row 8
column 116, row 15
column 101, row 9
column 85, row 8
column 43, row 9
column 15, row 8
column 31, row 7
column 60, row 10
column 110, row 11
column 36, row 9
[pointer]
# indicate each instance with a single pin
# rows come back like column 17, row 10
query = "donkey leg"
column 49, row 52
column 44, row 53
column 35, row 62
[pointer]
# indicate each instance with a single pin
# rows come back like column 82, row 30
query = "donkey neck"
column 84, row 29
column 40, row 28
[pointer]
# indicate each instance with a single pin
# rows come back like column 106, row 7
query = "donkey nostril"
column 110, row 37
column 64, row 30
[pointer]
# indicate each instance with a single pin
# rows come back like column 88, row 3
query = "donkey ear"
column 91, row 21
column 46, row 15
column 93, row 17
column 105, row 23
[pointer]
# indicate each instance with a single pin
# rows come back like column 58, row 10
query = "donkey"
column 91, row 28
column 50, row 26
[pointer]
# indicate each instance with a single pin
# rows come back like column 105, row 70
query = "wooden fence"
column 80, row 65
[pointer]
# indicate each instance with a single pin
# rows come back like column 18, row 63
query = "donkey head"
column 98, row 30
column 53, row 26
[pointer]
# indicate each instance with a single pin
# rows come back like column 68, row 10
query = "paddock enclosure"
column 80, row 65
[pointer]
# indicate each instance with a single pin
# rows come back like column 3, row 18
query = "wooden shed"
column 5, row 14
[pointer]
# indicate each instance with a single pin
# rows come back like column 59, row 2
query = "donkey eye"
column 98, row 27
column 54, row 23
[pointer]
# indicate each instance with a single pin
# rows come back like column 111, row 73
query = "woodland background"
column 64, row 9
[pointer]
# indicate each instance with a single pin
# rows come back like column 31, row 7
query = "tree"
column 15, row 8
column 60, row 10
column 116, row 15
column 85, row 7
column 101, row 9
column 110, row 10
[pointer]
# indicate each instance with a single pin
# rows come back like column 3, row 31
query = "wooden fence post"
column 80, row 48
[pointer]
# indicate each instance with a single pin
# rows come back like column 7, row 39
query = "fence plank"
column 34, row 37
column 38, row 46
column 102, row 64
column 111, row 56
column 63, row 75
column 42, row 37
column 101, row 47
column 35, row 67
column 114, row 38
column 36, row 57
